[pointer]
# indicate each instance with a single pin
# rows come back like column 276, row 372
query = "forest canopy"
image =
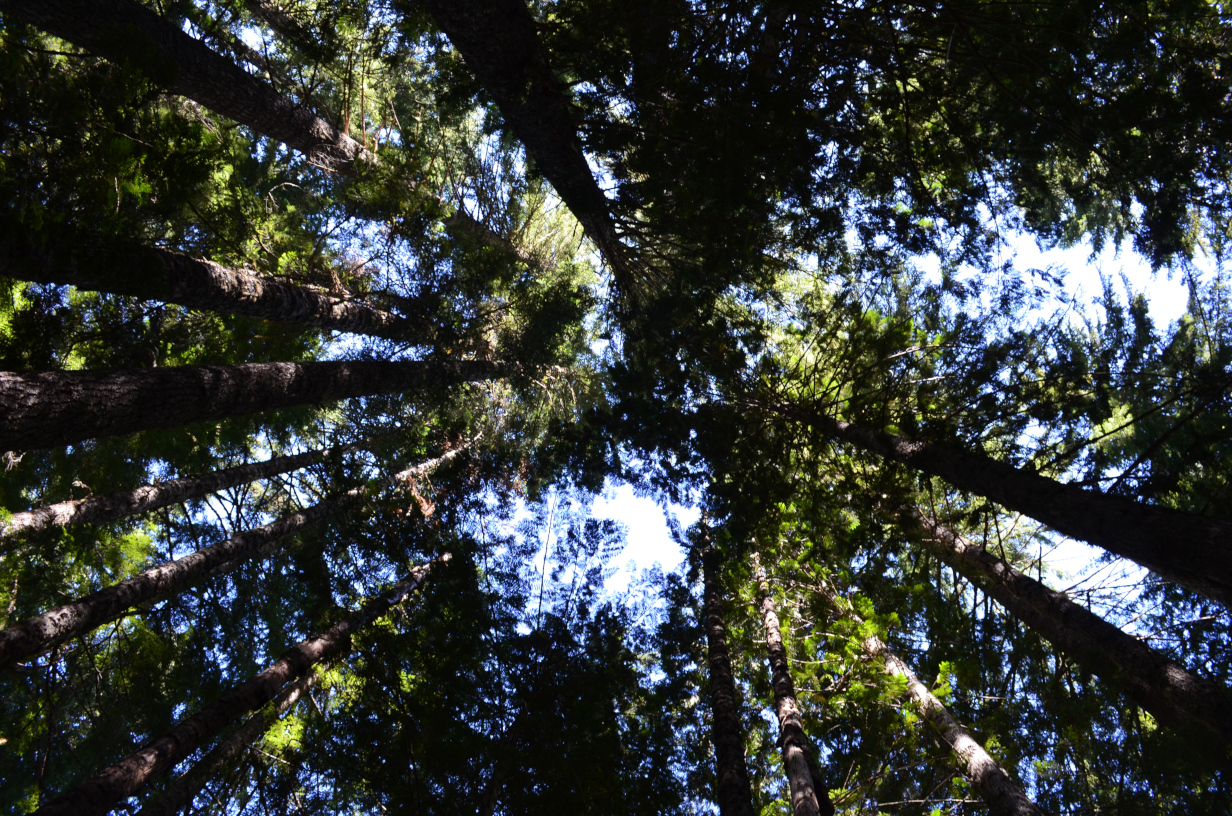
column 323, row 326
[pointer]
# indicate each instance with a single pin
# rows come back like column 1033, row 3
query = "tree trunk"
column 226, row 40
column 126, row 777
column 52, row 408
column 806, row 800
column 64, row 255
column 96, row 509
column 180, row 793
column 125, row 31
column 42, row 632
column 734, row 794
column 990, row 781
column 497, row 40
column 1173, row 696
column 1192, row 550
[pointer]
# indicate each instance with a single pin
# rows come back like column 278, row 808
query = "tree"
column 499, row 44
column 189, row 68
column 994, row 785
column 155, row 274
column 153, row 497
column 38, row 634
column 732, row 788
column 1178, row 545
column 754, row 257
column 805, row 797
column 53, row 408
column 1173, row 695
column 99, row 793
column 185, row 788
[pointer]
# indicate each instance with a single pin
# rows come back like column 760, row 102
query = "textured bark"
column 145, row 498
column 1193, row 551
column 988, row 779
column 806, row 799
column 126, row 31
column 225, row 41
column 734, row 794
column 180, row 793
column 52, row 408
column 64, row 255
column 1174, row 696
column 497, row 40
column 126, row 777
column 43, row 632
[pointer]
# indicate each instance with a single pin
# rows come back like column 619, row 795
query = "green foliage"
column 817, row 204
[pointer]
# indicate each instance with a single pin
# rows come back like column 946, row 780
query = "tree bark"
column 113, row 506
column 1194, row 551
column 52, row 408
column 734, row 794
column 990, row 781
column 806, row 799
column 126, row 777
column 497, row 40
column 43, row 632
column 1174, row 696
column 180, row 793
column 64, row 255
column 125, row 31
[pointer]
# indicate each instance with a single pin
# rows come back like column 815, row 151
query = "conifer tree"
column 1173, row 695
column 806, row 308
column 145, row 498
column 1183, row 547
column 124, row 30
column 42, row 632
column 806, row 798
column 99, row 793
column 57, row 408
column 181, row 793
column 72, row 257
column 735, row 798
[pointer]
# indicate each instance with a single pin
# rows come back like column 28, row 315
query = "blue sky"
column 1073, row 563
column 649, row 541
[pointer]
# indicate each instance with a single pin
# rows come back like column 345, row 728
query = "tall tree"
column 126, row 31
column 98, row 794
column 735, row 797
column 806, row 798
column 1190, row 549
column 1175, row 696
column 56, row 408
column 74, row 257
column 40, row 633
column 499, row 44
column 1002, row 795
column 112, row 506
column 184, row 789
